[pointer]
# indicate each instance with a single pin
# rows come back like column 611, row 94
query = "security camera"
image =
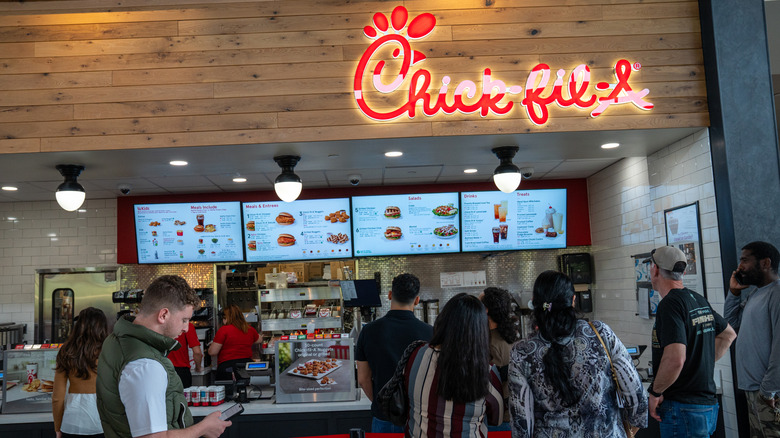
column 125, row 188
column 527, row 172
column 354, row 179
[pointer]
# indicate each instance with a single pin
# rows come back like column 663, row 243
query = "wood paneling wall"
column 95, row 74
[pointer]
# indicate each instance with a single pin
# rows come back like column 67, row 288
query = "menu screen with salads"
column 298, row 230
column 524, row 219
column 188, row 233
column 426, row 223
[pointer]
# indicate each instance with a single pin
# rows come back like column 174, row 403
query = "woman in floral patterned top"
column 560, row 381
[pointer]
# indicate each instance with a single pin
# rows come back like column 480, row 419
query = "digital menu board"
column 426, row 223
column 524, row 219
column 298, row 230
column 189, row 232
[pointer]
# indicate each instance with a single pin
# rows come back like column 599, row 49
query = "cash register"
column 635, row 351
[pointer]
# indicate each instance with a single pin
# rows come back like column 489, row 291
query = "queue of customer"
column 570, row 377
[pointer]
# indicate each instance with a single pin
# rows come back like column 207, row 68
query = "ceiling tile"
column 412, row 172
column 182, row 182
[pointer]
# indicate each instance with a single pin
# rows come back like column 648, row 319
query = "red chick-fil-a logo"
column 490, row 99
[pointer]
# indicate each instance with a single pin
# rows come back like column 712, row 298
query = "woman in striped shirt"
column 453, row 391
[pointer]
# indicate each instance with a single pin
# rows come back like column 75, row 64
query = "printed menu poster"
column 298, row 230
column 425, row 223
column 524, row 219
column 189, row 232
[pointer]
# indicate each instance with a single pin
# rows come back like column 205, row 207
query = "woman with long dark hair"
column 233, row 342
column 74, row 399
column 560, row 378
column 503, row 334
column 451, row 386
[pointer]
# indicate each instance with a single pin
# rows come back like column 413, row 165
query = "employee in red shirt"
column 233, row 343
column 181, row 357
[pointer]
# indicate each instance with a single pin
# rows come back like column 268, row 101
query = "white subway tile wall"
column 41, row 235
column 627, row 203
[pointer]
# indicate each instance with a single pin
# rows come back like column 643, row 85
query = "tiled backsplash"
column 515, row 271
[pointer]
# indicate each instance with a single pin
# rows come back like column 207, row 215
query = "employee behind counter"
column 233, row 342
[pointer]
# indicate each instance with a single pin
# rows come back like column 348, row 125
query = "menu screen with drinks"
column 188, row 233
column 524, row 219
column 427, row 223
column 298, row 230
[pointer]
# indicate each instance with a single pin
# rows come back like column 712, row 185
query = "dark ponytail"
column 556, row 319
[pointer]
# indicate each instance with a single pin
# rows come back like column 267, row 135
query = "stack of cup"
column 204, row 395
column 194, row 396
column 188, row 396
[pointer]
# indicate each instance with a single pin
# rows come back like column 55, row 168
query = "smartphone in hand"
column 231, row 412
column 740, row 277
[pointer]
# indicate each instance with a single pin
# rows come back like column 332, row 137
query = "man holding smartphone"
column 753, row 309
column 138, row 391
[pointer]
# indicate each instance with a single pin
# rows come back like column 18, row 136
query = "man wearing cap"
column 688, row 337
column 753, row 308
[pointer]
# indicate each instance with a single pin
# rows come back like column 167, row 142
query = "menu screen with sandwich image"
column 298, row 230
column 188, row 232
column 425, row 223
column 524, row 219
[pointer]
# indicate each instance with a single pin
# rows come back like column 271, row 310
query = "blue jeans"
column 686, row 420
column 382, row 426
column 503, row 427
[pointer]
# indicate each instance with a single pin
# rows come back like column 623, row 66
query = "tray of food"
column 315, row 369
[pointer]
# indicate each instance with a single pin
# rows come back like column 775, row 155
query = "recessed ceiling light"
column 239, row 179
column 11, row 218
column 393, row 154
column 81, row 210
column 610, row 145
column 178, row 163
column 469, row 170
column 10, row 188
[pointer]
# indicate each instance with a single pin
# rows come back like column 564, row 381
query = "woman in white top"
column 74, row 402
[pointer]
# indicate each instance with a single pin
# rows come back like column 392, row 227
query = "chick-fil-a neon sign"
column 491, row 97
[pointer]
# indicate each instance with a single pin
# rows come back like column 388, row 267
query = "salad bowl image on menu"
column 445, row 211
column 445, row 232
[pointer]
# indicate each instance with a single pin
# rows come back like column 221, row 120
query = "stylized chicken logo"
column 420, row 27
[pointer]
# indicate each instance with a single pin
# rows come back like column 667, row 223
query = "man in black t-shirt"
column 382, row 342
column 688, row 337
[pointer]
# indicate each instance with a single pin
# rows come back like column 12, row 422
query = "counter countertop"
column 257, row 407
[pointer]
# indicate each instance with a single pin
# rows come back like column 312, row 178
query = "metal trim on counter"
column 299, row 323
column 300, row 294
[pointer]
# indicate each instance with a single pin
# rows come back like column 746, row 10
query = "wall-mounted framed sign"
column 683, row 230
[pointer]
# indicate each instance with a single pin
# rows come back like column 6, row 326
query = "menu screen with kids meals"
column 188, row 232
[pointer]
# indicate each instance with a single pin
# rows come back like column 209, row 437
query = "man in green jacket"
column 138, row 391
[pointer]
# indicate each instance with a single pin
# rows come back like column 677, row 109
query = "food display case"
column 29, row 379
column 299, row 311
column 315, row 368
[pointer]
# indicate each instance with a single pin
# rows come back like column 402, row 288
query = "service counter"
column 263, row 417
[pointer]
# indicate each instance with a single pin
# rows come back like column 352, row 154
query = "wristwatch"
column 653, row 393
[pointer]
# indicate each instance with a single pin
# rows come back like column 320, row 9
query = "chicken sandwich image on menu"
column 252, row 245
column 285, row 240
column 285, row 218
column 250, row 226
column 392, row 212
column 393, row 233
